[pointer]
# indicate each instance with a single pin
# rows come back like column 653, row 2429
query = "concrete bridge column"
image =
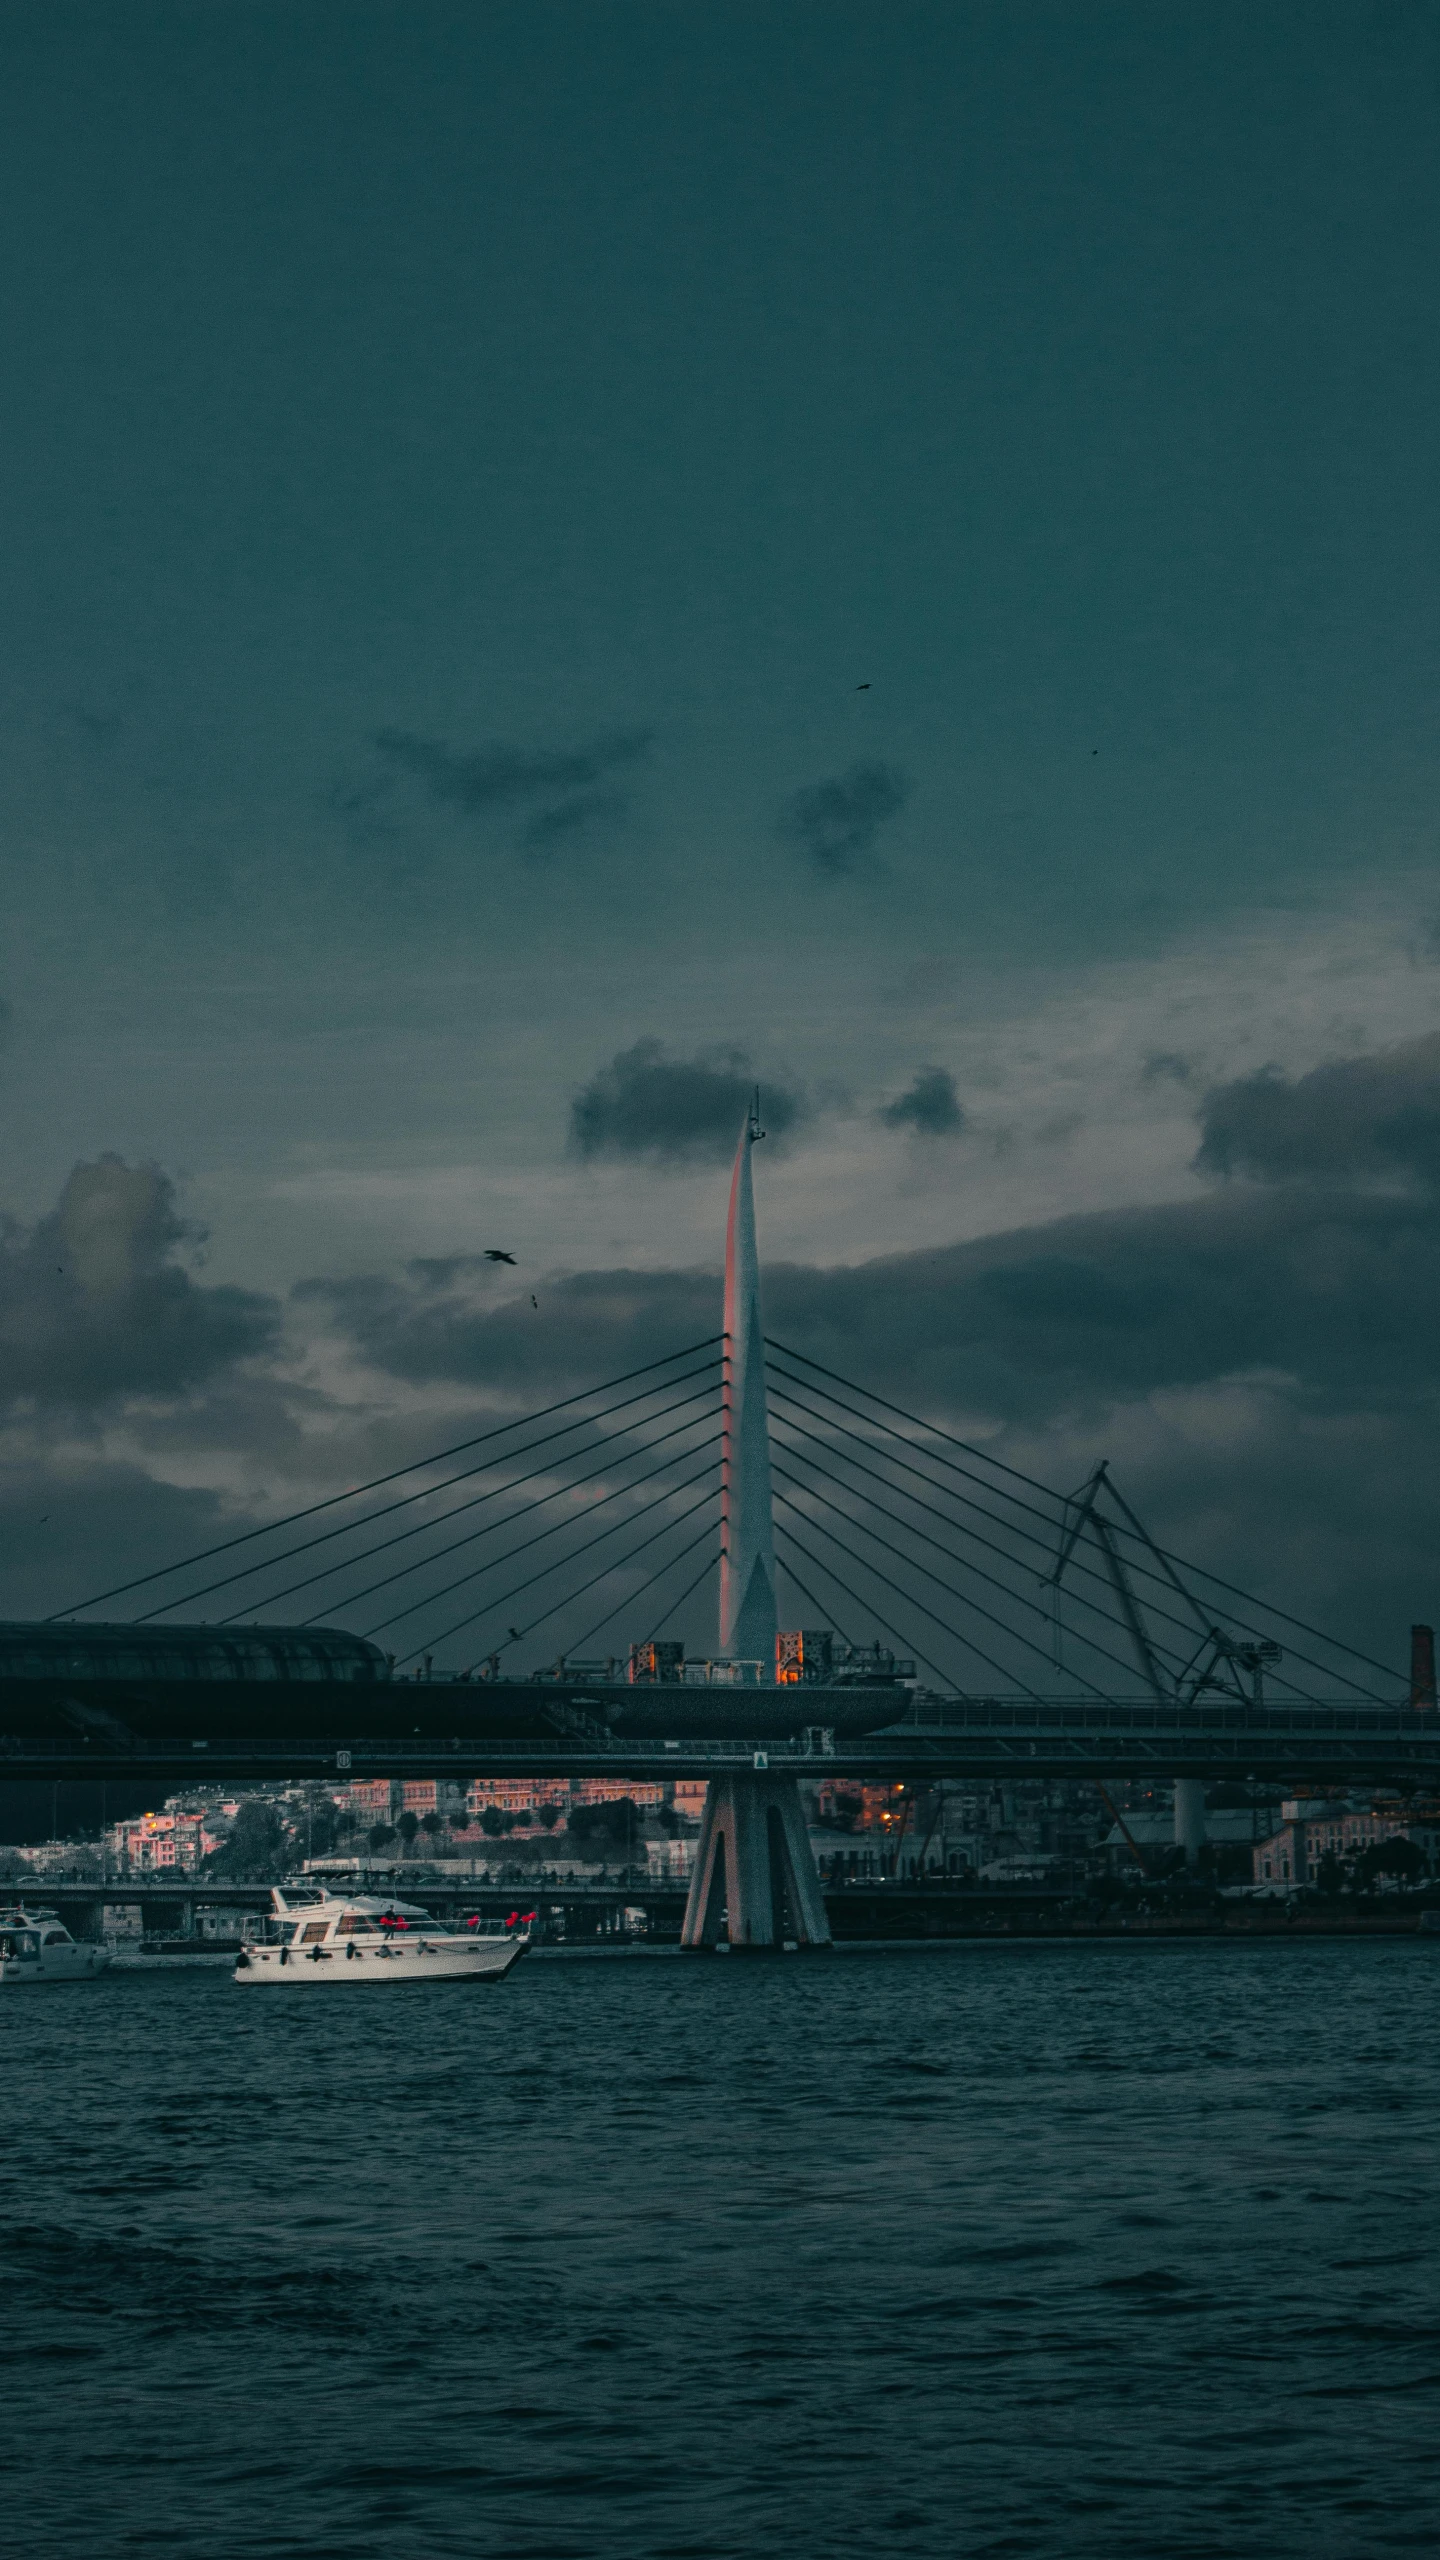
column 753, row 1861
column 1190, row 1818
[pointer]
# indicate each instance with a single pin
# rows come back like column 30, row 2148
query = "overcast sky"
column 560, row 560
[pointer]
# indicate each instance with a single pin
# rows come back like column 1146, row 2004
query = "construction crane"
column 1219, row 1661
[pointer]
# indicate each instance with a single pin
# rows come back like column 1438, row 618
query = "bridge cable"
column 627, row 1602
column 457, row 1511
column 435, row 1459
column 963, row 1563
column 1014, row 1633
column 616, row 1565
column 1012, row 1528
column 909, row 1598
column 554, row 1568
column 792, row 1576
column 424, row 1493
column 555, row 1529
column 657, row 1576
column 351, row 1528
column 1253, row 1599
column 962, row 1528
column 1134, row 1564
column 1054, row 1527
column 709, row 1566
column 878, row 1618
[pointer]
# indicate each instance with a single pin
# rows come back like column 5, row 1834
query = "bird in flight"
column 493, row 1254
column 535, row 1303
column 862, row 688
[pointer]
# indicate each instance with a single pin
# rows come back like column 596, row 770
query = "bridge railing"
column 934, row 1716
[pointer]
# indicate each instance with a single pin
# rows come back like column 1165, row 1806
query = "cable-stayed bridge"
column 889, row 1532
column 540, row 1593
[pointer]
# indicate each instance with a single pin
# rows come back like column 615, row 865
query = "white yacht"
column 333, row 1937
column 35, row 1946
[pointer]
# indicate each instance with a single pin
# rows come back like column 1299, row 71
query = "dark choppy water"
column 1120, row 2251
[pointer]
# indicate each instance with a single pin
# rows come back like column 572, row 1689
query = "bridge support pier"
column 1190, row 1818
column 753, row 1863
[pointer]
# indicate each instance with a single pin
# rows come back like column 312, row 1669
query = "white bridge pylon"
column 748, row 1615
column 753, row 1863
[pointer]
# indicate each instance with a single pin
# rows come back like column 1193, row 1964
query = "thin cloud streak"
column 499, row 777
column 836, row 823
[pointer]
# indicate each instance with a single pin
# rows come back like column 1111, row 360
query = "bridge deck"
column 170, row 1730
column 1343, row 1748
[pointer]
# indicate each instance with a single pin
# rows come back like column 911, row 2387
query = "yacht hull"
column 442, row 1960
column 35, row 1948
column 87, row 1966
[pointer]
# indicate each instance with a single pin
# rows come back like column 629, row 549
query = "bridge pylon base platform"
column 754, row 1884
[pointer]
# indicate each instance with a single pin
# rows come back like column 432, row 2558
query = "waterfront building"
column 372, row 1799
column 529, row 1795
column 648, row 1794
column 1230, row 1832
column 670, row 1861
column 58, row 1858
column 1336, row 1827
column 432, row 1795
column 162, row 1843
column 517, row 1795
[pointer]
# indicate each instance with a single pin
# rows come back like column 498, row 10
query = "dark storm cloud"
column 647, row 1103
column 440, row 1322
column 95, row 1305
column 489, row 779
column 835, row 823
column 1331, row 1293
column 76, row 1530
column 1366, row 1120
column 931, row 1106
column 1262, row 1367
